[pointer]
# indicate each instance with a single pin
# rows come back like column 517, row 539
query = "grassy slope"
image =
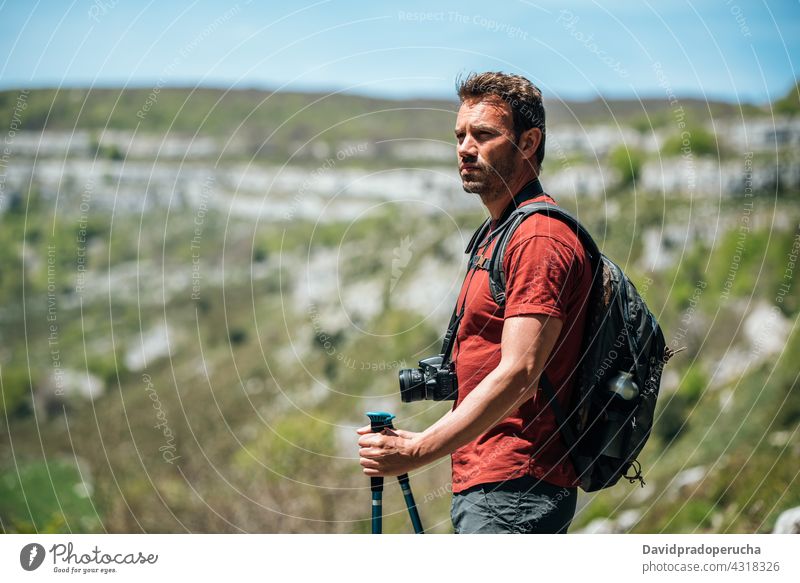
column 235, row 423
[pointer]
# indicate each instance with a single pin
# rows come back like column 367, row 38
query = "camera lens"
column 412, row 385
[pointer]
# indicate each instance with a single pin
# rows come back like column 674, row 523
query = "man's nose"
column 467, row 148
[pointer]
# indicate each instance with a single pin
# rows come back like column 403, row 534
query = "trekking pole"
column 379, row 421
column 405, row 486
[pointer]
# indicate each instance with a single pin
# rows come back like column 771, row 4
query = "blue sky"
column 735, row 50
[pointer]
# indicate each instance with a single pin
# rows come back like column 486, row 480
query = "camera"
column 433, row 380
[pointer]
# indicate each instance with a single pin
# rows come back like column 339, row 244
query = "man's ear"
column 529, row 142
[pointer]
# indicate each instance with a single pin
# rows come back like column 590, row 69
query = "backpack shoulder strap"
column 497, row 275
column 477, row 236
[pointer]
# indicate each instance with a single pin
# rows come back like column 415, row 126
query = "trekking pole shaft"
column 376, row 485
column 405, row 486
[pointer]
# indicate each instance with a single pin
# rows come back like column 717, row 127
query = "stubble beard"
column 491, row 183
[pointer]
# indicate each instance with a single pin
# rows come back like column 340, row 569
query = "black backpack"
column 617, row 379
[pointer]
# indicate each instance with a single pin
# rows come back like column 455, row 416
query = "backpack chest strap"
column 479, row 262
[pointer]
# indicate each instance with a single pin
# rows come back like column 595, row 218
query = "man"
column 511, row 469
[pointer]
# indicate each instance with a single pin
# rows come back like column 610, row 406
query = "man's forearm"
column 443, row 420
column 497, row 395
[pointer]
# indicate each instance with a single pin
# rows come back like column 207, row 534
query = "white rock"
column 731, row 367
column 788, row 522
column 430, row 291
column 317, row 283
column 670, row 380
column 69, row 382
column 362, row 300
column 642, row 494
column 628, row 519
column 83, row 490
column 149, row 346
column 767, row 330
column 688, row 478
column 780, row 438
column 310, row 397
column 725, row 399
column 600, row 526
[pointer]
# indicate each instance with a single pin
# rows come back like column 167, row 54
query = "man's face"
column 488, row 156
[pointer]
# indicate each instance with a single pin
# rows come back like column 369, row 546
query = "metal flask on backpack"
column 622, row 391
column 624, row 386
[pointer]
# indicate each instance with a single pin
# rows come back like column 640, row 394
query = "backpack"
column 610, row 416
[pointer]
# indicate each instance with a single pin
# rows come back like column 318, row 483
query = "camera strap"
column 481, row 238
column 455, row 320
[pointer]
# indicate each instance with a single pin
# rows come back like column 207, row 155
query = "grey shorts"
column 524, row 506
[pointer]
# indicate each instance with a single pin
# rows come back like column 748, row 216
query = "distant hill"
column 300, row 116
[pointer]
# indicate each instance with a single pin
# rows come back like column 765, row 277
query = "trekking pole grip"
column 379, row 420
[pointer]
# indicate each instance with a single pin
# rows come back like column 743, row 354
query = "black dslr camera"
column 432, row 381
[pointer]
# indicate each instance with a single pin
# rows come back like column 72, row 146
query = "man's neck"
column 498, row 204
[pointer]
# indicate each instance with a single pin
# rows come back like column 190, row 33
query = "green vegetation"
column 627, row 162
column 253, row 393
column 246, row 422
column 29, row 504
column 694, row 141
column 16, row 390
column 790, row 103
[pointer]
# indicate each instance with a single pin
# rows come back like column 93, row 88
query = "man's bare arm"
column 526, row 345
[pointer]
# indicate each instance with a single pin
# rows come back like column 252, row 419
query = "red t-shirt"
column 547, row 272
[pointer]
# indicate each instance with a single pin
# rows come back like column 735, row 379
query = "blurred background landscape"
column 203, row 289
column 193, row 322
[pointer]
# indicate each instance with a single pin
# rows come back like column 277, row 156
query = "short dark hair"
column 523, row 97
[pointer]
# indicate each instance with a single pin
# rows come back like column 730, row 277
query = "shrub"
column 696, row 141
column 16, row 389
column 627, row 162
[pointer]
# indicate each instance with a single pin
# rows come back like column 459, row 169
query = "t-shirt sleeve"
column 539, row 273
